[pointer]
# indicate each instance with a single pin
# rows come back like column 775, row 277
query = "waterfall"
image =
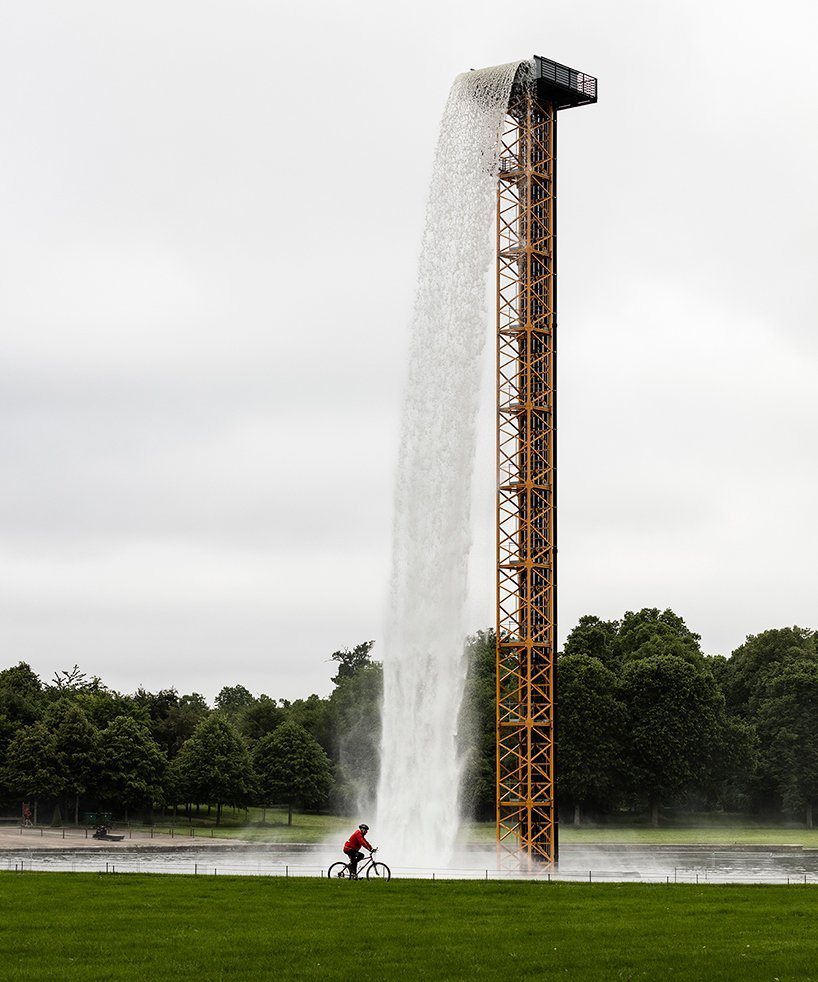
column 418, row 813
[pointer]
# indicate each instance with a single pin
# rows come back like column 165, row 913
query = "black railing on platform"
column 566, row 78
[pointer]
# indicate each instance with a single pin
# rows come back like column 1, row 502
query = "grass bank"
column 111, row 927
column 709, row 835
column 249, row 826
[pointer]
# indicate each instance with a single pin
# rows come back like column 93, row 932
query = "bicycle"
column 374, row 871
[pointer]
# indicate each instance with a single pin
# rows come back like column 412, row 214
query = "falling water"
column 418, row 808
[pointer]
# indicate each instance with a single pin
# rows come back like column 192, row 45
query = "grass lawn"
column 306, row 826
column 99, row 927
column 310, row 828
column 709, row 835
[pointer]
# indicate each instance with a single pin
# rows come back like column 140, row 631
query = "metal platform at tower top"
column 563, row 86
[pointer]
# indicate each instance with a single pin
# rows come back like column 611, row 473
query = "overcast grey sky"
column 209, row 219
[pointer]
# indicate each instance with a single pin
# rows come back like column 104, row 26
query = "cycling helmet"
column 363, row 827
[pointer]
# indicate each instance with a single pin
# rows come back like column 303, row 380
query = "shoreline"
column 75, row 840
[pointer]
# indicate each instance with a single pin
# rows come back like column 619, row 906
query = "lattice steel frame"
column 526, row 465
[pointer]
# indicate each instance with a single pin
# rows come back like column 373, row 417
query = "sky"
column 210, row 215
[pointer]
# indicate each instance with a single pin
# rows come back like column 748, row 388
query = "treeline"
column 74, row 745
column 645, row 720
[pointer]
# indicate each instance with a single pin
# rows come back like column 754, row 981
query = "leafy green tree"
column 33, row 768
column 261, row 718
column 312, row 714
column 22, row 698
column 73, row 680
column 753, row 665
column 132, row 764
column 214, row 766
column 156, row 708
column 102, row 706
column 233, row 700
column 76, row 745
column 182, row 720
column 649, row 632
column 352, row 722
column 477, row 725
column 733, row 768
column 590, row 733
column 595, row 638
column 788, row 728
column 673, row 720
column 7, row 731
column 350, row 660
column 291, row 767
column 172, row 718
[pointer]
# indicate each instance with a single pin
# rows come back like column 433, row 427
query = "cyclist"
column 353, row 845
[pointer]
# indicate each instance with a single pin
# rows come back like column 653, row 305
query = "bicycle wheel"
column 337, row 871
column 379, row 871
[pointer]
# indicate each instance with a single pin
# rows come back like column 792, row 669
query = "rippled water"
column 663, row 864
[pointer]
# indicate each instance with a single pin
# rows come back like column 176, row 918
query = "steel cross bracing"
column 526, row 495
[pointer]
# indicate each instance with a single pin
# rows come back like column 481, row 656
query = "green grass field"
column 101, row 927
column 311, row 828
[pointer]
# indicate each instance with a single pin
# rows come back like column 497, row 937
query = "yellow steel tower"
column 526, row 458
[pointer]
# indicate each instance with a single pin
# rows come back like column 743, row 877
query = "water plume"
column 418, row 808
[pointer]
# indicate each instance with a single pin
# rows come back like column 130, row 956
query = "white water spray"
column 418, row 813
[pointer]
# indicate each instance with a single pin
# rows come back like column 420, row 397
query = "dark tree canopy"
column 476, row 727
column 214, row 766
column 591, row 733
column 673, row 720
column 754, row 665
column 21, row 694
column 596, row 639
column 350, row 660
column 292, row 768
column 234, row 699
column 132, row 765
column 788, row 730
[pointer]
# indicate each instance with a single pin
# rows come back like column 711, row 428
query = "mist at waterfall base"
column 418, row 813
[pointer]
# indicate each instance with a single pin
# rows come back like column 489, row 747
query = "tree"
column 312, row 714
column 33, row 769
column 76, row 745
column 590, row 733
column 477, row 725
column 21, row 694
column 596, row 639
column 234, row 699
column 172, row 718
column 71, row 680
column 261, row 718
column 292, row 768
column 350, row 660
column 753, row 665
column 102, row 706
column 132, row 764
column 788, row 727
column 648, row 632
column 352, row 724
column 214, row 766
column 673, row 720
column 182, row 720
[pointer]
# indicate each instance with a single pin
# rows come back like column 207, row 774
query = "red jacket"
column 355, row 841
